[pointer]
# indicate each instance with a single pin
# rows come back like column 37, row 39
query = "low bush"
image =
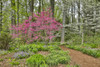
column 90, row 45
column 5, row 40
column 40, row 47
column 28, row 48
column 3, row 52
column 36, row 60
column 56, row 57
column 1, row 60
column 14, row 63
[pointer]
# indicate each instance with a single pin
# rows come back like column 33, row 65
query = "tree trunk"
column 17, row 11
column 39, row 9
column 52, row 2
column 79, row 14
column 1, row 15
column 63, row 29
column 13, row 13
column 32, row 7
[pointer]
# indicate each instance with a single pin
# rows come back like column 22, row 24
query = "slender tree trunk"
column 94, row 20
column 17, row 11
column 78, row 14
column 13, row 13
column 72, row 13
column 1, row 15
column 42, row 5
column 52, row 2
column 26, row 7
column 32, row 7
column 39, row 9
column 63, row 29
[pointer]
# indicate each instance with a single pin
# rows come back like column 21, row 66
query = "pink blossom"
column 42, row 28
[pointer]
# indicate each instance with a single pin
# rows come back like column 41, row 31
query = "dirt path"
column 82, row 59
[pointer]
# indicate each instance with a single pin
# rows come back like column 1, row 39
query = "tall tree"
column 39, row 9
column 52, row 2
column 13, row 12
column 1, row 15
column 32, row 7
column 78, row 4
column 17, row 11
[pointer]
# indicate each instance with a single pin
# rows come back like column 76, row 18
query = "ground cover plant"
column 21, row 55
column 3, row 52
column 52, row 59
column 92, row 52
column 58, row 57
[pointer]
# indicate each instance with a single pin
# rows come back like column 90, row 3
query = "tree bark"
column 52, row 2
column 63, row 29
column 17, row 11
column 13, row 13
column 32, row 7
column 1, row 15
column 39, row 9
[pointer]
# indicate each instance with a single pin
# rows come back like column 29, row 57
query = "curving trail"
column 82, row 59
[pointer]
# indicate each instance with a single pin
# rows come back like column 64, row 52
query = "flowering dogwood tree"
column 41, row 29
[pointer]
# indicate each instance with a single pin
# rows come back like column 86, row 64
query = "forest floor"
column 77, row 57
column 81, row 59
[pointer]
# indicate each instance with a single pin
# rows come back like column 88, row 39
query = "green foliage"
column 5, row 40
column 3, row 52
column 14, row 62
column 72, row 65
column 76, row 40
column 92, row 45
column 44, row 65
column 36, row 60
column 1, row 60
column 15, row 44
column 92, row 52
column 54, row 43
column 38, row 47
column 53, row 47
column 89, row 41
column 56, row 57
column 27, row 48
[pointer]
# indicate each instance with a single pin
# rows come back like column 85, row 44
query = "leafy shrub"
column 1, row 60
column 5, row 40
column 54, row 43
column 53, row 47
column 28, row 48
column 44, row 65
column 57, row 57
column 89, row 41
column 15, row 44
column 14, row 63
column 3, row 52
column 39, row 47
column 36, row 60
column 76, row 40
column 90, row 45
column 20, row 55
